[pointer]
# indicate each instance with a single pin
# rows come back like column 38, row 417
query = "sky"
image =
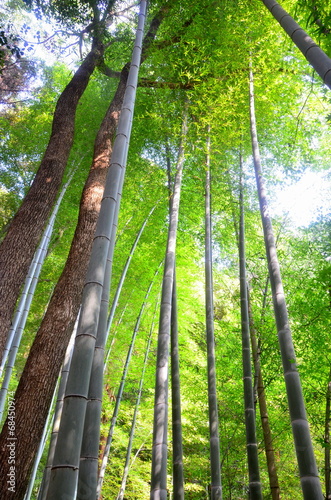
column 305, row 199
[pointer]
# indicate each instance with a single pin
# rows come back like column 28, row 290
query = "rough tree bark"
column 21, row 240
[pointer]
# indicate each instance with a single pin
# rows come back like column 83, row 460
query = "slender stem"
column 134, row 419
column 160, row 427
column 177, row 440
column 215, row 463
column 255, row 490
column 121, row 388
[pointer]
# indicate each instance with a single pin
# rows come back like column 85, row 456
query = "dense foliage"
column 201, row 53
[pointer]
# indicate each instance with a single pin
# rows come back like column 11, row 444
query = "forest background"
column 200, row 55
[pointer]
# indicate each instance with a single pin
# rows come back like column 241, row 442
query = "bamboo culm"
column 160, row 424
column 255, row 490
column 214, row 443
column 64, row 474
column 120, row 390
column 125, row 270
column 260, row 392
column 88, row 468
column 177, row 439
column 312, row 52
column 57, row 415
column 310, row 482
column 134, row 419
column 114, row 337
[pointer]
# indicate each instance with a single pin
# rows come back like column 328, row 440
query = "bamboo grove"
column 164, row 327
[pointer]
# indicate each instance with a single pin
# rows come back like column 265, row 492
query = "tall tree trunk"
column 314, row 55
column 20, row 242
column 214, row 442
column 255, row 490
column 160, row 426
column 47, row 352
column 267, row 436
column 310, row 482
column 64, row 473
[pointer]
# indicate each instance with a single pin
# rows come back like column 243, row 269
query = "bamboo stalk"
column 255, row 489
column 88, row 466
column 160, row 425
column 64, row 474
column 310, row 482
column 327, row 440
column 121, row 388
column 214, row 442
column 18, row 332
column 33, row 274
column 120, row 495
column 57, row 416
column 177, row 439
column 260, row 392
column 125, row 270
column 312, row 52
column 41, row 447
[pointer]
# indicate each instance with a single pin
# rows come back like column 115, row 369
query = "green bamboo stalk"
column 88, row 467
column 255, row 489
column 177, row 439
column 214, row 442
column 125, row 270
column 120, row 495
column 160, row 426
column 312, row 52
column 114, row 337
column 260, row 392
column 57, row 416
column 121, row 388
column 64, row 474
column 310, row 482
